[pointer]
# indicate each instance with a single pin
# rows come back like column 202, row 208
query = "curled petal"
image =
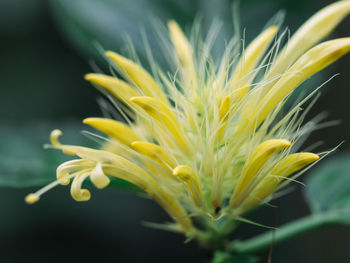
column 77, row 193
column 98, row 178
column 64, row 170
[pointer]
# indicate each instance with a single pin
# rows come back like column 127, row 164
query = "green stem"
column 283, row 233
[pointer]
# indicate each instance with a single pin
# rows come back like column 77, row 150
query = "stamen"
column 34, row 197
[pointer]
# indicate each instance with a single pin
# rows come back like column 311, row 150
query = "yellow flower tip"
column 115, row 57
column 99, row 79
column 90, row 77
column 147, row 103
column 139, row 100
column 115, row 129
column 267, row 148
column 32, row 198
column 146, row 148
column 183, row 172
column 172, row 25
column 293, row 163
column 155, row 152
column 186, row 174
column 117, row 87
column 224, row 108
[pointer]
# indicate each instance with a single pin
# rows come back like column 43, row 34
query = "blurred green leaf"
column 328, row 189
column 24, row 161
column 109, row 22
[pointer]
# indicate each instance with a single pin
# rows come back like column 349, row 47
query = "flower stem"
column 283, row 233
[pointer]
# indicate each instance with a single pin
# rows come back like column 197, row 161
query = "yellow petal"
column 310, row 63
column 183, row 51
column 163, row 114
column 115, row 129
column 191, row 179
column 183, row 171
column 77, row 193
column 98, row 178
column 285, row 167
column 293, row 163
column 224, row 108
column 66, row 168
column 224, row 114
column 130, row 172
column 140, row 77
column 153, row 151
column 261, row 154
column 240, row 77
column 315, row 29
column 118, row 88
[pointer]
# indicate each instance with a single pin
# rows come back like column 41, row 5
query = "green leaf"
column 23, row 160
column 328, row 189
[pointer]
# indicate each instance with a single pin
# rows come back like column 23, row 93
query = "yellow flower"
column 208, row 143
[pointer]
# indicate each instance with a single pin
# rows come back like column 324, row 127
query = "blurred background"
column 46, row 47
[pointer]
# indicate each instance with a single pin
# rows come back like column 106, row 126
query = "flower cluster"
column 209, row 142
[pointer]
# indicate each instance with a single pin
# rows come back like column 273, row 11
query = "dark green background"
column 42, row 88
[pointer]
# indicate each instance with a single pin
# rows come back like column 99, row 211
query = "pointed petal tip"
column 117, row 58
column 172, row 23
column 89, row 76
column 140, row 100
